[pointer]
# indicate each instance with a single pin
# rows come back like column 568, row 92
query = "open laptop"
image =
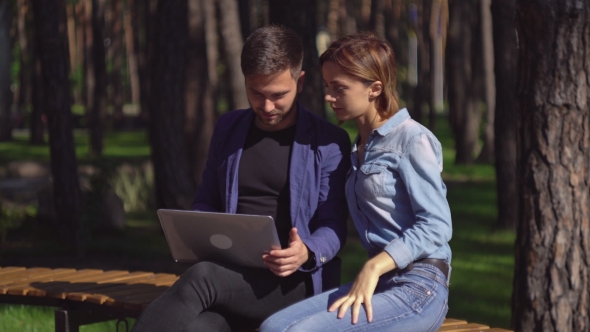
column 239, row 239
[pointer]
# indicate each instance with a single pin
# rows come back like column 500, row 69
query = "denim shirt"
column 396, row 197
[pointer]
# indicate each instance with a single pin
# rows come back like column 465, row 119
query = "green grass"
column 483, row 255
column 118, row 146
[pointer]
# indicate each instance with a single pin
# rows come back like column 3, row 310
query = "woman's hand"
column 363, row 287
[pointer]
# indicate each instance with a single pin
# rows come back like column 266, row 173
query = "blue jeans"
column 415, row 300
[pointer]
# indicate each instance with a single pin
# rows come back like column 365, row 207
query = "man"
column 276, row 159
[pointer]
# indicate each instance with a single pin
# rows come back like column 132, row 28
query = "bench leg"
column 71, row 320
column 64, row 322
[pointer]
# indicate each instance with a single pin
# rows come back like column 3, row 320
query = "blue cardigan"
column 319, row 163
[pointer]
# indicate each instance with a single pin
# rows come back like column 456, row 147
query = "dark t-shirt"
column 263, row 177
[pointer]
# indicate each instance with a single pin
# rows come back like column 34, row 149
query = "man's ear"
column 376, row 88
column 300, row 81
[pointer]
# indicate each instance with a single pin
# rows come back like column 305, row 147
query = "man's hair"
column 271, row 50
column 368, row 59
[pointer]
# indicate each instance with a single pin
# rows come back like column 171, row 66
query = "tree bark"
column 505, row 124
column 200, row 89
column 487, row 152
column 299, row 15
column 229, row 26
column 423, row 91
column 115, row 53
column 131, row 46
column 5, row 74
column 96, row 111
column 462, row 77
column 377, row 18
column 37, row 126
column 51, row 38
column 174, row 185
column 551, row 284
column 23, row 93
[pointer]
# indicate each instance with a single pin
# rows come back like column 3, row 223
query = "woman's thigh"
column 413, row 301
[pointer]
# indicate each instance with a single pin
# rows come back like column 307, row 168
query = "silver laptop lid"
column 239, row 239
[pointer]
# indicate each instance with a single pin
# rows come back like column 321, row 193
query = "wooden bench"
column 90, row 296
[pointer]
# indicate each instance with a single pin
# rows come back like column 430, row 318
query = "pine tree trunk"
column 116, row 56
column 505, row 56
column 229, row 26
column 552, row 267
column 23, row 95
column 51, row 38
column 377, row 19
column 299, row 15
column 174, row 185
column 462, row 77
column 131, row 46
column 96, row 111
column 5, row 75
column 37, row 126
column 487, row 152
column 423, row 91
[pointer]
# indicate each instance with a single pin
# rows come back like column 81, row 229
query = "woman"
column 397, row 201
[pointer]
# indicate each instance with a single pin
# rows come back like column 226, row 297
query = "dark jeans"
column 214, row 297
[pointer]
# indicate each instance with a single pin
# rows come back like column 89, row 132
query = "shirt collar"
column 399, row 117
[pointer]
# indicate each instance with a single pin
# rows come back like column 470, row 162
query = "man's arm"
column 328, row 223
column 328, row 227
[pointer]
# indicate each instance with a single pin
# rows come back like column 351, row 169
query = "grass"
column 483, row 263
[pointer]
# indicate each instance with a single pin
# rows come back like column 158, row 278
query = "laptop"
column 239, row 239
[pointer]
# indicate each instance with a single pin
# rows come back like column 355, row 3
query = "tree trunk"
column 174, row 185
column 199, row 96
column 116, row 56
column 5, row 75
column 229, row 26
column 145, row 10
column 245, row 21
column 131, row 46
column 551, row 284
column 299, row 15
column 23, row 94
column 377, row 19
column 51, row 37
column 37, row 126
column 423, row 91
column 505, row 56
column 96, row 111
column 462, row 76
column 487, row 152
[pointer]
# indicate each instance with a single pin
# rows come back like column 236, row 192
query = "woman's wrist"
column 381, row 263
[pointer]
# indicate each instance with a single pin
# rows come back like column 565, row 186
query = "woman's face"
column 349, row 97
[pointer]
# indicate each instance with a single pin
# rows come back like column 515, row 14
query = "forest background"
column 107, row 108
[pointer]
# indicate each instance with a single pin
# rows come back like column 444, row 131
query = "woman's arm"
column 364, row 286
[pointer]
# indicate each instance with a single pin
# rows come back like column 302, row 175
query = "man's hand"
column 286, row 261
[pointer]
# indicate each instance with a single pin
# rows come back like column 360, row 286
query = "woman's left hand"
column 363, row 287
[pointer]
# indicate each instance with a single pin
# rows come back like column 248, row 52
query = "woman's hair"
column 368, row 59
column 271, row 50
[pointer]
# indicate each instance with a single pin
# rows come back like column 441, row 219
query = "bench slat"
column 464, row 328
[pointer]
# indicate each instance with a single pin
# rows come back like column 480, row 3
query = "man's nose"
column 269, row 106
column 328, row 97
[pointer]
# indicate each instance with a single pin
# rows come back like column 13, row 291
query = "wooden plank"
column 9, row 269
column 498, row 330
column 62, row 290
column 105, row 290
column 453, row 321
column 65, row 280
column 22, row 287
column 464, row 328
column 114, row 298
column 16, row 275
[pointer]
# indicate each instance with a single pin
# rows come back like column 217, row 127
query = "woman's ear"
column 376, row 88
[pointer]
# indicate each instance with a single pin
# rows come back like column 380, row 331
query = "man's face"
column 272, row 97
